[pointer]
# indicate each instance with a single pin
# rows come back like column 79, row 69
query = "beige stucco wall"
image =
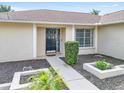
column 62, row 40
column 41, row 41
column 15, row 41
column 111, row 40
column 68, row 34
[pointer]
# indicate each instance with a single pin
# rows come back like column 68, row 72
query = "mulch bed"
column 7, row 69
column 114, row 83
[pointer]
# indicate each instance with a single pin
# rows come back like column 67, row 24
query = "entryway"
column 52, row 41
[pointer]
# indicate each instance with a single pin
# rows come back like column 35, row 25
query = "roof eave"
column 109, row 23
column 62, row 23
column 45, row 22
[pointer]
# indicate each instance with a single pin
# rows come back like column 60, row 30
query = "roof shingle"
column 44, row 15
column 112, row 17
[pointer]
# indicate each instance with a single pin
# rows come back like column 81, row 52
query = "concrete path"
column 73, row 79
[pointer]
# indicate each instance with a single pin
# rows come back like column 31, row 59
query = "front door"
column 52, row 40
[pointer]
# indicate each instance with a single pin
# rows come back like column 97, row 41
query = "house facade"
column 33, row 34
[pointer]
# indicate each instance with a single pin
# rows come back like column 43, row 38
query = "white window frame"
column 85, row 37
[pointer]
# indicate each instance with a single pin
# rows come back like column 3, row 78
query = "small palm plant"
column 95, row 12
column 46, row 80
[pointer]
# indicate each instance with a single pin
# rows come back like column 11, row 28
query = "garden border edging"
column 102, row 74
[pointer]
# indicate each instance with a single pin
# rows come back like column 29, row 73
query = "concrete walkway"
column 73, row 79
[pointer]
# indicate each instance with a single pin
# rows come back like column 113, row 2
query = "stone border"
column 15, row 85
column 5, row 86
column 102, row 74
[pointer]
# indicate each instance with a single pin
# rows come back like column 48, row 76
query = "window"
column 85, row 37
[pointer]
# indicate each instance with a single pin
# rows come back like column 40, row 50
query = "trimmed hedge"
column 71, row 52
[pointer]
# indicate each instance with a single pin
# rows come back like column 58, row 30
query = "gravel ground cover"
column 114, row 83
column 25, row 79
column 7, row 69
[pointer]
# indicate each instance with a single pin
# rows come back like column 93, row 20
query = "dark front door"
column 52, row 40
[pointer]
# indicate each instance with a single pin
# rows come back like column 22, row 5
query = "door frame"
column 46, row 37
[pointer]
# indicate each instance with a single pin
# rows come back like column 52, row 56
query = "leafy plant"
column 71, row 52
column 46, row 80
column 103, row 65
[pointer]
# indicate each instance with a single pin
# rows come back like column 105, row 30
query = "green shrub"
column 103, row 65
column 71, row 52
column 46, row 80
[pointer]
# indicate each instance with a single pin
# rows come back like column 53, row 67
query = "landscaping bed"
column 25, row 79
column 113, row 83
column 7, row 69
